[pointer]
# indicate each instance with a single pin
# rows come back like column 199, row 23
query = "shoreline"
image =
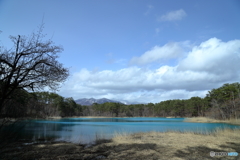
column 210, row 120
column 58, row 117
column 101, row 117
column 142, row 145
column 186, row 119
column 7, row 121
column 150, row 145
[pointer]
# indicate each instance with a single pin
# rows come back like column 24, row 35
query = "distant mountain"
column 90, row 101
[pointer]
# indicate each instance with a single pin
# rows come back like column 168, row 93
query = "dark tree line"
column 41, row 105
column 195, row 106
column 225, row 101
column 220, row 103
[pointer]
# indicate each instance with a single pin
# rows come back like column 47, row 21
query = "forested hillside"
column 220, row 103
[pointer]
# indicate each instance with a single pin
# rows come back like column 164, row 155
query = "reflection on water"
column 85, row 130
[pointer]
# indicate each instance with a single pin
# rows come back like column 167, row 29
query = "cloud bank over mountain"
column 198, row 69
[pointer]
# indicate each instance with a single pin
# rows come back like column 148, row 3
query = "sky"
column 135, row 50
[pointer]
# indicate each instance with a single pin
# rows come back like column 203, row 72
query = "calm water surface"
column 85, row 130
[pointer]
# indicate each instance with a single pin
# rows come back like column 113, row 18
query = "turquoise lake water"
column 85, row 130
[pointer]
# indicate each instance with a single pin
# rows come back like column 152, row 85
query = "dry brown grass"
column 142, row 146
column 210, row 120
column 178, row 145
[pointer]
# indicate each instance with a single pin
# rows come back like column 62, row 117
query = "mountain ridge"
column 90, row 101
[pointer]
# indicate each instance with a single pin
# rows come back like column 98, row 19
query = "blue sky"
column 135, row 50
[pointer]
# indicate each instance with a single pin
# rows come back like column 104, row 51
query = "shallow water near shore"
column 87, row 130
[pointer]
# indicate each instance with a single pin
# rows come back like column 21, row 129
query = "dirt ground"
column 139, row 146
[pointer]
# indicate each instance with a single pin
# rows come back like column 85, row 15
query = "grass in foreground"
column 140, row 146
column 210, row 120
column 178, row 145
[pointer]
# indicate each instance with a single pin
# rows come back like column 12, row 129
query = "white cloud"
column 159, row 53
column 173, row 15
column 206, row 66
column 213, row 56
column 134, row 84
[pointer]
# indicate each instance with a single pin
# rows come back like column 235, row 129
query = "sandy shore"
column 139, row 146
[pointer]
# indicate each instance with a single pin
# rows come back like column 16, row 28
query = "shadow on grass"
column 235, row 146
column 106, row 149
column 203, row 152
column 122, row 151
column 69, row 151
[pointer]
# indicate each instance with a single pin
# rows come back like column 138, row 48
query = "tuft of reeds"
column 156, row 137
column 210, row 120
column 101, row 138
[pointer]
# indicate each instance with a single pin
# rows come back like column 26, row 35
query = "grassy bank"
column 210, row 120
column 139, row 146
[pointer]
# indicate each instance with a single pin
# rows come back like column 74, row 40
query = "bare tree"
column 30, row 65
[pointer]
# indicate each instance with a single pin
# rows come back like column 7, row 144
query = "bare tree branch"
column 32, row 65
